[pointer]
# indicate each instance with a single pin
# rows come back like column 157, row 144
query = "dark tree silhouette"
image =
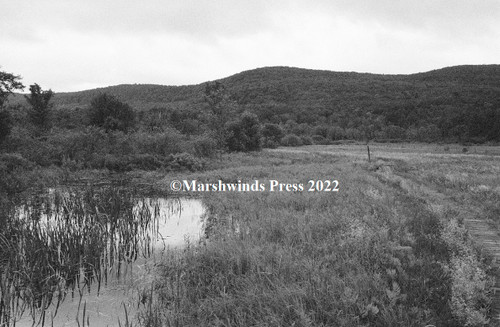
column 108, row 112
column 244, row 134
column 220, row 108
column 272, row 132
column 5, row 125
column 40, row 106
column 8, row 84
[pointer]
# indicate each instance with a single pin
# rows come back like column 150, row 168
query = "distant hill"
column 446, row 98
column 295, row 86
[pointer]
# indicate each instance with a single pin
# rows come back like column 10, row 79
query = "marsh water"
column 94, row 252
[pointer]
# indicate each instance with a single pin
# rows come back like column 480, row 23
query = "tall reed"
column 69, row 240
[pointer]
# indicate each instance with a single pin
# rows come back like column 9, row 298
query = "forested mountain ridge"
column 458, row 103
column 279, row 84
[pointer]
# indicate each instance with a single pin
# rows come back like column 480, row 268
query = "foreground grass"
column 376, row 253
column 388, row 249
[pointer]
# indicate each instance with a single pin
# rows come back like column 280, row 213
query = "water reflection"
column 124, row 235
column 177, row 220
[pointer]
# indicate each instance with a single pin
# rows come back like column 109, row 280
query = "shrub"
column 114, row 163
column 10, row 162
column 13, row 178
column 40, row 111
column 244, row 134
column 145, row 162
column 75, row 145
column 266, row 143
column 395, row 132
column 5, row 125
column 204, row 146
column 306, row 140
column 42, row 152
column 111, row 114
column 272, row 133
column 321, row 130
column 185, row 161
column 319, row 139
column 163, row 143
column 291, row 140
column 336, row 133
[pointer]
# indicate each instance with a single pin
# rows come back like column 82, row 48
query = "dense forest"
column 454, row 104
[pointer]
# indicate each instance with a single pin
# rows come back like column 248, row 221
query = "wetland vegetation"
column 389, row 249
column 70, row 240
column 392, row 247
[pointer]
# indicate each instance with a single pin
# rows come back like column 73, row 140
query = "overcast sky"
column 71, row 45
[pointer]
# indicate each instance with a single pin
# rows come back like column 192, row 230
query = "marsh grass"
column 68, row 241
column 377, row 253
column 389, row 249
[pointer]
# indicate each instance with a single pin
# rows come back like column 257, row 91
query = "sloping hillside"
column 296, row 86
column 455, row 102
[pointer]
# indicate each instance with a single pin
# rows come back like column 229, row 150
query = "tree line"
column 245, row 112
column 111, row 134
column 456, row 104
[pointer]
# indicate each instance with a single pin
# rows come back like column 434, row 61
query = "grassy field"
column 407, row 239
column 390, row 248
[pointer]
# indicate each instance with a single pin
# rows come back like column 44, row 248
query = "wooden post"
column 368, row 148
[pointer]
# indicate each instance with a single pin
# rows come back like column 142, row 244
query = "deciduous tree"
column 220, row 108
column 40, row 106
column 108, row 112
column 8, row 84
column 244, row 134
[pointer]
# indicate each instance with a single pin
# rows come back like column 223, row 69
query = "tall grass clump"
column 67, row 241
column 369, row 255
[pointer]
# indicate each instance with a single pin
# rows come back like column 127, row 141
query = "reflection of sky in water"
column 177, row 219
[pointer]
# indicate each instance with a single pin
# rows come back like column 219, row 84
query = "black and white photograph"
column 231, row 163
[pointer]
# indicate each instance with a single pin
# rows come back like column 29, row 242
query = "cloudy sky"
column 72, row 45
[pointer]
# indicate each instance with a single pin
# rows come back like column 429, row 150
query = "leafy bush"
column 5, row 125
column 336, row 133
column 306, row 140
column 204, row 146
column 146, row 162
column 115, row 163
column 13, row 168
column 319, row 139
column 291, row 140
column 244, row 134
column 266, row 143
column 272, row 133
column 108, row 112
column 185, row 161
column 163, row 143
column 321, row 130
column 40, row 111
column 41, row 152
column 10, row 162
